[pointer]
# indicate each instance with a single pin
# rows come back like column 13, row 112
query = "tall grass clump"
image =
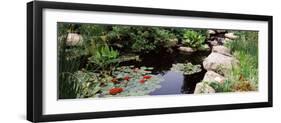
column 245, row 49
column 68, row 85
column 68, row 63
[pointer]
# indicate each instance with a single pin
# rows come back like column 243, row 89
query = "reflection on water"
column 174, row 83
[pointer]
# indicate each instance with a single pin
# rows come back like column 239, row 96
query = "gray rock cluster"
column 219, row 62
column 220, row 37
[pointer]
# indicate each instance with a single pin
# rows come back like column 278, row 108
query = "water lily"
column 142, row 81
column 116, row 90
column 147, row 77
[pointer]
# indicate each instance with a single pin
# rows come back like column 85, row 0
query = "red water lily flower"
column 142, row 81
column 116, row 90
column 127, row 78
column 147, row 77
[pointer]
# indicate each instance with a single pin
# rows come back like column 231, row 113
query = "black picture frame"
column 34, row 60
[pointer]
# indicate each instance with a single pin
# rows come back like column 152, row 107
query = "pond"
column 174, row 82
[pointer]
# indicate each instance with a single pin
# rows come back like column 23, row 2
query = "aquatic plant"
column 104, row 57
column 186, row 68
column 89, row 83
column 124, row 81
column 133, row 81
column 193, row 39
column 115, row 90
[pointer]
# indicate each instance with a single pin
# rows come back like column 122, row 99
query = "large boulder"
column 73, row 39
column 219, row 63
column 222, row 50
column 213, row 42
column 211, row 76
column 186, row 49
column 230, row 36
column 202, row 87
column 211, row 32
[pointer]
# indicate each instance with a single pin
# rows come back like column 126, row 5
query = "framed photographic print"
column 95, row 61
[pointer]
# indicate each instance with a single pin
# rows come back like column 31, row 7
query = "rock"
column 221, row 31
column 211, row 32
column 219, row 63
column 118, row 45
column 186, row 49
column 222, row 50
column 230, row 36
column 213, row 43
column 73, row 39
column 211, row 76
column 203, row 88
column 220, row 40
column 227, row 40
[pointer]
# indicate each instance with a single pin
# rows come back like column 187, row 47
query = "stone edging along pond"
column 218, row 62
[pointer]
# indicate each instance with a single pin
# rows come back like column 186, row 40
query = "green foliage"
column 68, row 87
column 126, row 77
column 245, row 76
column 249, row 66
column 118, row 33
column 136, row 85
column 186, row 68
column 140, row 44
column 89, row 83
column 226, row 86
column 147, row 39
column 193, row 39
column 67, row 27
column 104, row 57
column 245, row 49
column 93, row 34
column 164, row 38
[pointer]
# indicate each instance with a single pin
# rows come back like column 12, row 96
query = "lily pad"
column 186, row 68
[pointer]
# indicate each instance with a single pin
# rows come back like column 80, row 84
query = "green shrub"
column 193, row 39
column 104, row 57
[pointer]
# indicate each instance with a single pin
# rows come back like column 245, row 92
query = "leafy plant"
column 193, row 39
column 164, row 38
column 104, row 57
column 142, row 45
column 89, row 83
column 186, row 68
column 68, row 86
column 226, row 86
column 92, row 33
